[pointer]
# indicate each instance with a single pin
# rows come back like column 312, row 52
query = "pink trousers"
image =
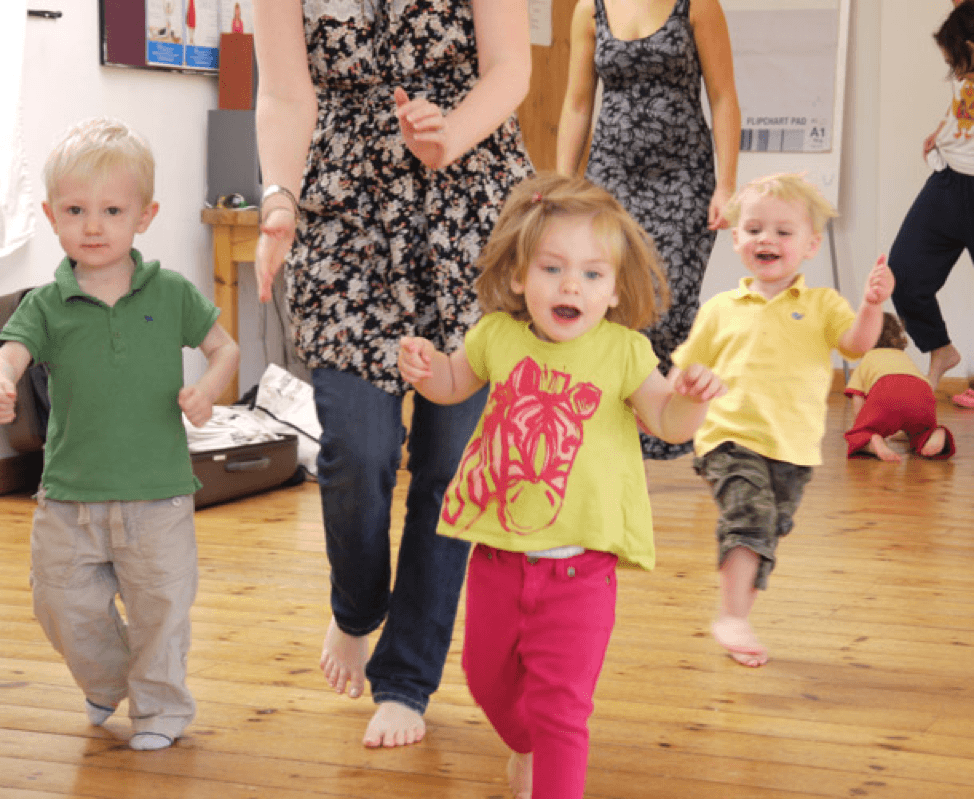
column 899, row 402
column 537, row 630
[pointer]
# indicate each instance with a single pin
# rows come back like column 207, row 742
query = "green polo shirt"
column 116, row 430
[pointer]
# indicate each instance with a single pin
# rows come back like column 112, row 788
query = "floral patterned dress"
column 385, row 247
column 653, row 150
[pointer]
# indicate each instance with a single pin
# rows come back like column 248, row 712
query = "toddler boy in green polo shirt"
column 115, row 507
column 770, row 341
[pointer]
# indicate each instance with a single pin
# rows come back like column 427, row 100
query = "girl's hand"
column 715, row 214
column 698, row 383
column 929, row 143
column 196, row 405
column 424, row 128
column 879, row 283
column 415, row 357
column 276, row 237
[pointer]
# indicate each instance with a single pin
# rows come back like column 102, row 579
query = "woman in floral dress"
column 388, row 145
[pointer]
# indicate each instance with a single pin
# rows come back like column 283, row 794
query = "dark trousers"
column 938, row 227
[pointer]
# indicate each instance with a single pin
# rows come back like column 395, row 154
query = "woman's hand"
column 424, row 129
column 715, row 214
column 276, row 237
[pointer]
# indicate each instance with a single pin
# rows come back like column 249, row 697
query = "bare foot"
column 877, row 446
column 737, row 637
column 519, row 775
column 935, row 444
column 343, row 659
column 394, row 724
column 942, row 360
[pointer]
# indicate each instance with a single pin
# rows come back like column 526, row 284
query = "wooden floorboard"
column 869, row 692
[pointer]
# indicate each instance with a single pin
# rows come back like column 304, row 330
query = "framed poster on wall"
column 180, row 35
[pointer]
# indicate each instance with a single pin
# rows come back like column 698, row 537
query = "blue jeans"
column 361, row 444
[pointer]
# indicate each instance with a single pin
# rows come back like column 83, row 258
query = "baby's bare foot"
column 343, row 659
column 519, row 774
column 394, row 724
column 942, row 360
column 877, row 446
column 737, row 637
column 935, row 444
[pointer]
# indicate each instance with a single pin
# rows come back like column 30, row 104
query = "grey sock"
column 150, row 741
column 97, row 714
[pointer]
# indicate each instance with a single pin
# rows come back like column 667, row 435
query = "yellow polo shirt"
column 775, row 357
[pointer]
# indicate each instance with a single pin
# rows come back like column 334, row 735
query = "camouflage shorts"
column 757, row 498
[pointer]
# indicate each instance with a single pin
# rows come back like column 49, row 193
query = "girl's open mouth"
column 566, row 312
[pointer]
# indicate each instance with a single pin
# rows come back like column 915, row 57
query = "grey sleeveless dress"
column 652, row 148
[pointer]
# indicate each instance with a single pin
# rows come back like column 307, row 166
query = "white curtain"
column 16, row 206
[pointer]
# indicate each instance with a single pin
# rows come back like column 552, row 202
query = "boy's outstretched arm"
column 223, row 357
column 14, row 360
column 672, row 408
column 862, row 336
column 443, row 379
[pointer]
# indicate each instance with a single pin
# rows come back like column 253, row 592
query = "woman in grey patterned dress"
column 651, row 146
column 388, row 145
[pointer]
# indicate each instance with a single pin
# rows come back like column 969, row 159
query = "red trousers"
column 894, row 403
column 537, row 630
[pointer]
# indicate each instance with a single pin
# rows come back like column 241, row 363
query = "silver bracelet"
column 273, row 189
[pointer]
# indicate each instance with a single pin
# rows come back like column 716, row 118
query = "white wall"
column 896, row 92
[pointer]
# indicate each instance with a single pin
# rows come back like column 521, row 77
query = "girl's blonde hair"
column 787, row 187
column 892, row 336
column 640, row 279
column 90, row 149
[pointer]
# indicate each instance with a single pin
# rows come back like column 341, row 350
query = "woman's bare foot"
column 877, row 446
column 519, row 774
column 935, row 444
column 737, row 637
column 343, row 659
column 394, row 724
column 942, row 360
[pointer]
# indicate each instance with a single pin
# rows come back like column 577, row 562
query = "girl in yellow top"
column 551, row 486
column 889, row 393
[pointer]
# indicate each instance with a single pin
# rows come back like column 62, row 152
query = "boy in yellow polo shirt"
column 770, row 340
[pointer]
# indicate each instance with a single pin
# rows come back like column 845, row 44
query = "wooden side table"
column 235, row 234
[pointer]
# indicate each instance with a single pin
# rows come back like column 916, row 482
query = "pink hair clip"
column 536, row 197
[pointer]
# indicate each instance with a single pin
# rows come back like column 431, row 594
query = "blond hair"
column 787, row 187
column 90, row 149
column 640, row 279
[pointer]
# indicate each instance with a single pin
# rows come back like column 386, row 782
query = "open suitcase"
column 235, row 472
column 22, row 441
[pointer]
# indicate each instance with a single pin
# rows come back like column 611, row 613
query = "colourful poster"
column 236, row 16
column 201, row 22
column 164, row 33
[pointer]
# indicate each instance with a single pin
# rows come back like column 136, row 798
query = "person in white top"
column 937, row 229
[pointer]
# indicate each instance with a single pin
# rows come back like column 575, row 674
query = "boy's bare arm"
column 222, row 356
column 443, row 379
column 865, row 330
column 14, row 360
